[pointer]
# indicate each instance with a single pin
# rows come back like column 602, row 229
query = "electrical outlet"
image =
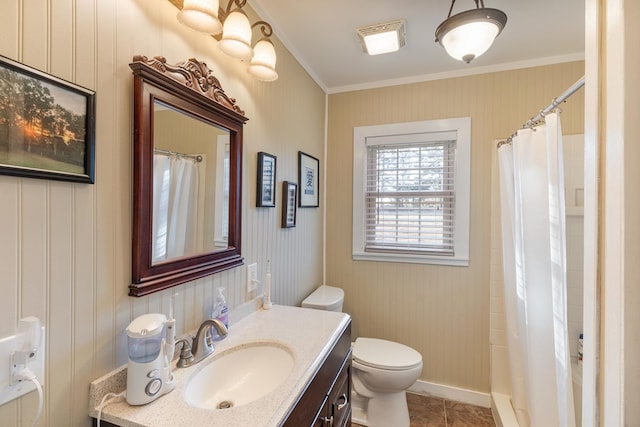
column 252, row 277
column 9, row 388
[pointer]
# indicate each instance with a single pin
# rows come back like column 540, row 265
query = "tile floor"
column 426, row 411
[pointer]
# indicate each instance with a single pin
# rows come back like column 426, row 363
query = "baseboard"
column 451, row 393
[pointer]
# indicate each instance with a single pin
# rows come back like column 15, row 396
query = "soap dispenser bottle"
column 222, row 310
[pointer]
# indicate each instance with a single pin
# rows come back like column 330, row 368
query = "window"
column 411, row 192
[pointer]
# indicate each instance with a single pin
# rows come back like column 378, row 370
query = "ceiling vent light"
column 382, row 38
column 471, row 33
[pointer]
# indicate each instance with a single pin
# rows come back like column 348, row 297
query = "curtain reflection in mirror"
column 175, row 206
column 222, row 192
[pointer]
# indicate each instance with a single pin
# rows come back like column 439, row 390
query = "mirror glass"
column 190, row 185
column 187, row 169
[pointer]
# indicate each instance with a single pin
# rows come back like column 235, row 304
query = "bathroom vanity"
column 315, row 393
column 327, row 399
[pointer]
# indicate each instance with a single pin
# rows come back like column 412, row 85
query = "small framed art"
column 289, row 204
column 266, row 185
column 47, row 125
column 308, row 177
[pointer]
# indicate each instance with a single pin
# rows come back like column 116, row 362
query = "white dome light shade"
column 201, row 15
column 469, row 41
column 236, row 36
column 469, row 34
column 263, row 63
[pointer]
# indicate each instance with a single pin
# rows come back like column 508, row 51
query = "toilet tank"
column 325, row 298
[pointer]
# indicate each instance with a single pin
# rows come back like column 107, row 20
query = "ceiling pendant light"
column 201, row 15
column 471, row 33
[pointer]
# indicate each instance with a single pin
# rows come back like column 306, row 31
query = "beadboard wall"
column 65, row 250
column 443, row 312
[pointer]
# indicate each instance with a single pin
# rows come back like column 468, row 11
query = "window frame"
column 462, row 128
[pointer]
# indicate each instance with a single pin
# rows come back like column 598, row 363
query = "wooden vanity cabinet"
column 327, row 399
column 336, row 410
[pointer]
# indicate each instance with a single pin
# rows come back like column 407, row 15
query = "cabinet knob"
column 343, row 399
column 327, row 421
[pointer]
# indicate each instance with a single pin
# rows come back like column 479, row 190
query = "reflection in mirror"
column 187, row 172
column 222, row 192
column 190, row 185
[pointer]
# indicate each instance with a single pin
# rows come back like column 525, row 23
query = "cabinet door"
column 340, row 397
column 316, row 405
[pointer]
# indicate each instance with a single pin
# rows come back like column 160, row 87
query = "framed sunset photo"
column 47, row 125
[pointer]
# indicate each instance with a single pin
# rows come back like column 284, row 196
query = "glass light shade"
column 469, row 41
column 382, row 42
column 263, row 63
column 236, row 36
column 201, row 15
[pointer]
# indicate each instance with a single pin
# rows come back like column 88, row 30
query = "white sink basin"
column 239, row 375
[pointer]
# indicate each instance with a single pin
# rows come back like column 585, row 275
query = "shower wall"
column 574, row 197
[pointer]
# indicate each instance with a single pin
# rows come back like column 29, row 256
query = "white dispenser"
column 149, row 368
column 222, row 309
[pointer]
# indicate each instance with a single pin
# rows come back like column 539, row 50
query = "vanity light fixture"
column 201, row 15
column 236, row 35
column 263, row 63
column 233, row 32
column 381, row 38
column 471, row 33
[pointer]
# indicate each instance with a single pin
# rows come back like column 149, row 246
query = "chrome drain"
column 225, row 404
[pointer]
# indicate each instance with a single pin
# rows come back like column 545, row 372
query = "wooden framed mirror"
column 187, row 175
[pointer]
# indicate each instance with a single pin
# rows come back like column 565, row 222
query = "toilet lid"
column 384, row 354
column 324, row 298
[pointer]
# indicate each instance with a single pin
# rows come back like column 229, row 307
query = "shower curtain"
column 175, row 190
column 534, row 264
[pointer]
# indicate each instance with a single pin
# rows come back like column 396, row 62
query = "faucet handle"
column 186, row 356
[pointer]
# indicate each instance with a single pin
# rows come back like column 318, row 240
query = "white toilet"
column 381, row 370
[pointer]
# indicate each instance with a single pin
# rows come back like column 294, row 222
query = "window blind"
column 410, row 197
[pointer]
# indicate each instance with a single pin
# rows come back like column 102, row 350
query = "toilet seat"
column 383, row 354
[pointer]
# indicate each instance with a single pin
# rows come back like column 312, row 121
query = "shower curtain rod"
column 557, row 101
column 533, row 121
column 196, row 158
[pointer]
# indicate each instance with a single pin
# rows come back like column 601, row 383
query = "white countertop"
column 310, row 334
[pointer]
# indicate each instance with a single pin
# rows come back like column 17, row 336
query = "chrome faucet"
column 201, row 345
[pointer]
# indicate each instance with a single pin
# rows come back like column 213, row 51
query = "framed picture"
column 266, row 186
column 289, row 203
column 47, row 125
column 308, row 178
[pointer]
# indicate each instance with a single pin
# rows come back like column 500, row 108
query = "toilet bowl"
column 381, row 370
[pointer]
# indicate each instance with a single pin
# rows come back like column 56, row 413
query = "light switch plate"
column 252, row 277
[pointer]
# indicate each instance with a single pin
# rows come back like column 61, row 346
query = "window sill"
column 412, row 259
